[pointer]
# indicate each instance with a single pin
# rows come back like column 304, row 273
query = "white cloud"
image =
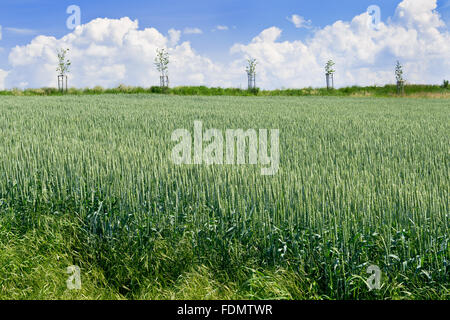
column 363, row 56
column 108, row 52
column 3, row 75
column 299, row 21
column 174, row 36
column 192, row 31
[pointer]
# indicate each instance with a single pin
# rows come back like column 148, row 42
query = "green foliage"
column 329, row 67
column 372, row 91
column 63, row 63
column 399, row 72
column 89, row 181
column 251, row 67
column 445, row 84
column 36, row 249
column 254, row 91
column 162, row 61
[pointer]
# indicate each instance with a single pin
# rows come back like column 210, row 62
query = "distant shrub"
column 49, row 91
column 254, row 91
column 375, row 91
column 39, row 92
column 122, row 88
column 17, row 92
column 74, row 91
column 98, row 89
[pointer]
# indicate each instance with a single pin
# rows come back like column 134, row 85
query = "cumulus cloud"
column 108, row 52
column 299, row 21
column 415, row 35
column 3, row 75
column 174, row 36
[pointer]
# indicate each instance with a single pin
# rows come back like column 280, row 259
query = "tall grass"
column 362, row 181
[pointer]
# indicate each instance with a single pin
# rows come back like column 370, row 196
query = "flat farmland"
column 90, row 181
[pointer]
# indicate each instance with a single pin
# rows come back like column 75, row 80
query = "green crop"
column 362, row 181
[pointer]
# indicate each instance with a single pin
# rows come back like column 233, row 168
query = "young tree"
column 63, row 68
column 399, row 72
column 399, row 78
column 162, row 65
column 329, row 73
column 251, row 73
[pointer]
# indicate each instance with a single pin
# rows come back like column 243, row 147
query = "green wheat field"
column 89, row 181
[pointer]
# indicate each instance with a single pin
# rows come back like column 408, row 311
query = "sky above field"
column 209, row 41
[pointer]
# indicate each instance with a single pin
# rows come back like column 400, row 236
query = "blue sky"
column 22, row 20
column 248, row 17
